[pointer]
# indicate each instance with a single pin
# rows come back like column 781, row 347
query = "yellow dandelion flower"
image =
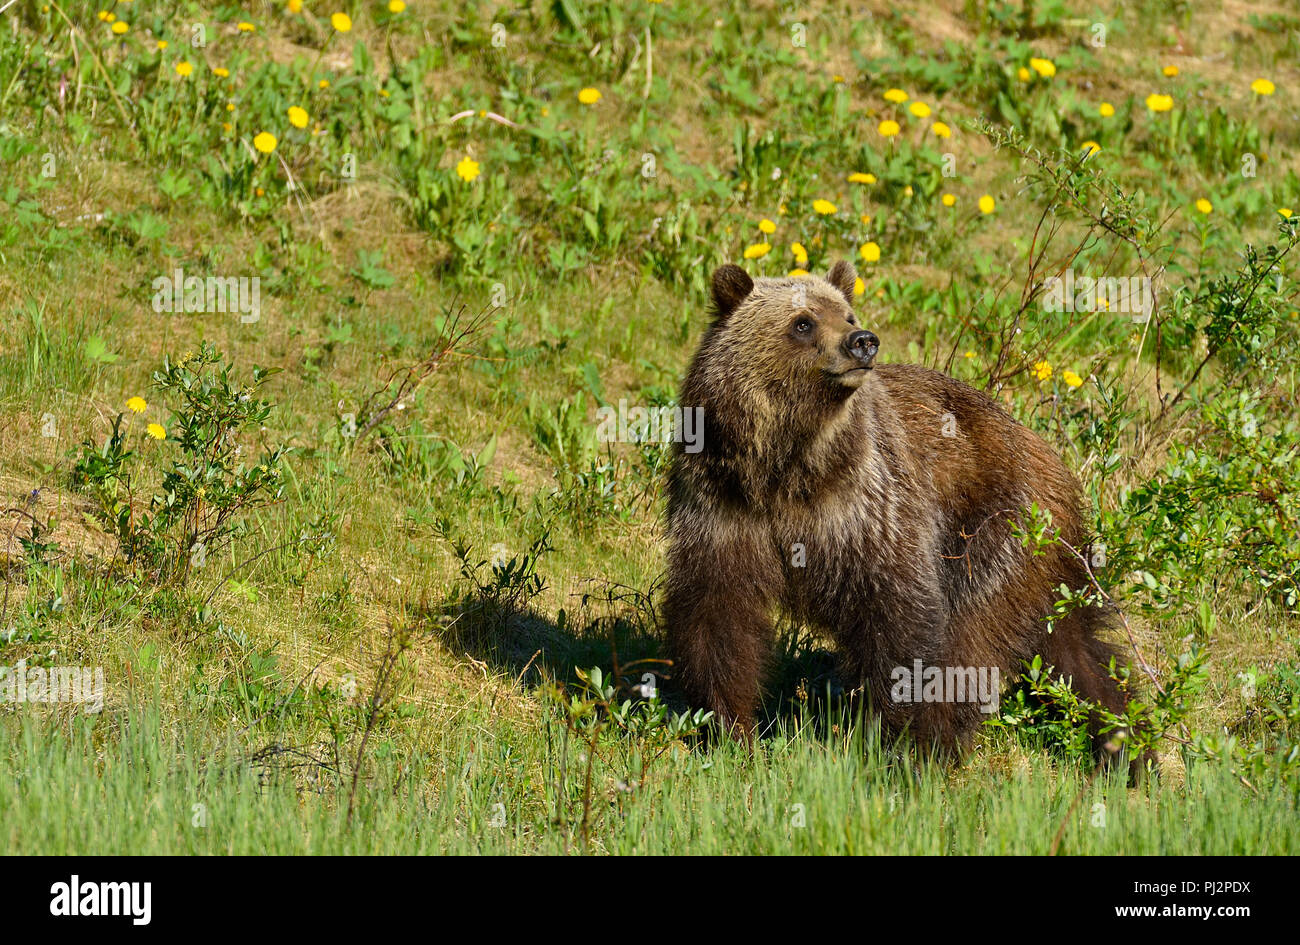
column 767, row 226
column 1072, row 379
column 1090, row 148
column 941, row 130
column 157, row 431
column 870, row 252
column 919, row 109
column 859, row 287
column 137, row 405
column 467, row 169
column 120, row 27
column 1023, row 74
column 1204, row 205
column 1160, row 103
column 295, row 6
column 323, row 84
column 183, row 69
column 800, row 253
column 986, row 204
column 161, row 45
column 897, row 96
column 341, row 22
column 757, row 250
column 1285, row 212
column 1044, row 67
column 246, row 27
column 797, row 273
column 888, row 128
column 230, row 106
column 1263, row 87
column 396, row 6
column 221, row 73
column 969, row 354
column 589, row 96
column 824, row 207
column 103, row 15
column 1105, row 109
column 866, row 219
column 298, row 117
column 949, row 200
column 265, row 142
column 857, row 177
column 1169, row 71
column 1043, row 370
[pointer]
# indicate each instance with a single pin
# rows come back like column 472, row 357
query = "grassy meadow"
column 309, row 312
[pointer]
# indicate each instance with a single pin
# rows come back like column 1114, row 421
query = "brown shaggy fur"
column 908, row 550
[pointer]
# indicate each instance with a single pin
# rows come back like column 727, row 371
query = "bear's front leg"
column 900, row 646
column 717, row 611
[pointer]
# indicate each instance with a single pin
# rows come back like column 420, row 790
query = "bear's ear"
column 731, row 285
column 843, row 276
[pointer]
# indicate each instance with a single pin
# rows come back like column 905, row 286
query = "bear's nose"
column 861, row 345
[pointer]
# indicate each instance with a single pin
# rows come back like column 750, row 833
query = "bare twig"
column 383, row 401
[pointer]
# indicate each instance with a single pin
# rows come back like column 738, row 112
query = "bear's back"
column 973, row 451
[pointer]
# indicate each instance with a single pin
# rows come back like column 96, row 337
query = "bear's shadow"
column 617, row 629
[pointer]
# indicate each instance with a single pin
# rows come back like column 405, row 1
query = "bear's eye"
column 851, row 320
column 803, row 326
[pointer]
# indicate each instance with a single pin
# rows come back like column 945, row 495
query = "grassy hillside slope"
column 472, row 226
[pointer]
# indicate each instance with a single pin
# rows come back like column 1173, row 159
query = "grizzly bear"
column 874, row 502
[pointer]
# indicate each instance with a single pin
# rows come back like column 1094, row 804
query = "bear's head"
column 796, row 331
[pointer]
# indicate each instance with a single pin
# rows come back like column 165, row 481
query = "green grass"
column 155, row 791
column 261, row 683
